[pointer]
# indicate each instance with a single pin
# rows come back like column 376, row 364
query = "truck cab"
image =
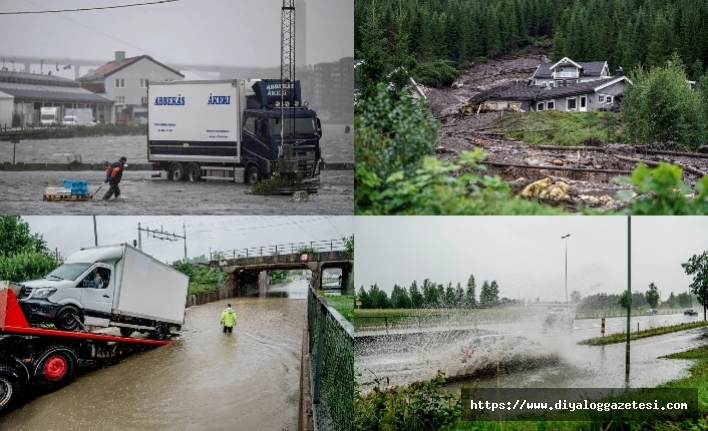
column 50, row 116
column 78, row 292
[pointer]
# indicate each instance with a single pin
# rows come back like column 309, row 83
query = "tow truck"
column 41, row 359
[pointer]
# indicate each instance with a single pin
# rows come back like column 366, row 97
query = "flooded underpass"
column 519, row 354
column 205, row 380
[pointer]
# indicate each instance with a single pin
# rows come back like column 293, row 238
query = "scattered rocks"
column 545, row 189
column 300, row 196
column 558, row 162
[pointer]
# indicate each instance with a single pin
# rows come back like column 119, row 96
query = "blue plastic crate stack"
column 78, row 187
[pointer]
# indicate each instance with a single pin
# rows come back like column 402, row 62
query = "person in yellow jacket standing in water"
column 228, row 319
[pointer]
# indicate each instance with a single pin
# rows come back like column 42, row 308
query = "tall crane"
column 287, row 64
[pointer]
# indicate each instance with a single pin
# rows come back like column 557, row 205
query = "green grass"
column 559, row 128
column 621, row 337
column 344, row 304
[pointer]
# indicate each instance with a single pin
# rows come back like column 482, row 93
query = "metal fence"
column 278, row 249
column 331, row 351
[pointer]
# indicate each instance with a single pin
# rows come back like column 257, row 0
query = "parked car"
column 690, row 312
column 70, row 120
column 652, row 311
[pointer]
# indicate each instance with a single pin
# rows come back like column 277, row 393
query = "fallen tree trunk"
column 559, row 168
column 653, row 163
column 569, row 148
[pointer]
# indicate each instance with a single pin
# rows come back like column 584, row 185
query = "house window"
column 540, row 106
column 572, row 104
column 143, row 83
column 609, row 99
column 120, row 83
column 550, row 105
column 601, row 98
column 144, row 100
column 583, row 101
column 120, row 100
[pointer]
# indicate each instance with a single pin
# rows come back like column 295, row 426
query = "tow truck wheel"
column 9, row 387
column 253, row 175
column 126, row 332
column 194, row 172
column 68, row 319
column 176, row 172
column 160, row 332
column 56, row 369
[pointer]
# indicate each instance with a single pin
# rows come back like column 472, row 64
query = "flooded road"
column 206, row 380
column 336, row 146
column 141, row 194
column 553, row 359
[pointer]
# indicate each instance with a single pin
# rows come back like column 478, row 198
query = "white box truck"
column 78, row 117
column 109, row 286
column 231, row 130
column 50, row 116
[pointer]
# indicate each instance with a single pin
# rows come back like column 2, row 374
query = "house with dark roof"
column 567, row 71
column 30, row 92
column 125, row 81
column 564, row 86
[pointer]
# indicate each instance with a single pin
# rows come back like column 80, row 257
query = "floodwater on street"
column 206, row 380
column 532, row 358
column 141, row 194
column 336, row 146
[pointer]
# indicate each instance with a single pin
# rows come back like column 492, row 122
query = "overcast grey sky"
column 222, row 32
column 70, row 233
column 526, row 254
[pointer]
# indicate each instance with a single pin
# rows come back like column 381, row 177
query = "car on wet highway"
column 690, row 312
column 558, row 319
column 652, row 311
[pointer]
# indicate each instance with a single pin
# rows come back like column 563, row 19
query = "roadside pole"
column 629, row 291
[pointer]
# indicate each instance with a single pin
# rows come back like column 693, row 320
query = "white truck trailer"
column 109, row 286
column 231, row 130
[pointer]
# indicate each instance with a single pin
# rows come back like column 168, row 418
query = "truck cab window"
column 250, row 125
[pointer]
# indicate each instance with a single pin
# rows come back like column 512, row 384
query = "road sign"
column 304, row 257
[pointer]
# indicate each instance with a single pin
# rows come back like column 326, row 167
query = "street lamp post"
column 565, row 237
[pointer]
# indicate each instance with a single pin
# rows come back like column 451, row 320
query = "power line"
column 87, row 8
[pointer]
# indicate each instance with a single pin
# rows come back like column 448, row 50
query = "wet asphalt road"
column 21, row 194
column 572, row 365
column 207, row 380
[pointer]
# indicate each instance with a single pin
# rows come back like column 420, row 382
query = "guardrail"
column 278, row 249
column 331, row 349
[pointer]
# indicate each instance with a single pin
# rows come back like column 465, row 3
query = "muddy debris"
column 590, row 170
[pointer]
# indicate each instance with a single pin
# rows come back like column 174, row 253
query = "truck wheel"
column 253, row 175
column 56, row 369
column 176, row 172
column 126, row 332
column 68, row 319
column 9, row 387
column 194, row 172
column 161, row 332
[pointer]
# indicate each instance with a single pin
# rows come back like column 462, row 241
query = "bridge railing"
column 331, row 349
column 279, row 249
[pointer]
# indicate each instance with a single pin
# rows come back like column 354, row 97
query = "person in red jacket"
column 114, row 173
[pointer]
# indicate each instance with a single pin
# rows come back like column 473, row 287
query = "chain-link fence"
column 331, row 351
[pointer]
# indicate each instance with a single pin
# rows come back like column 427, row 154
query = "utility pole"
column 140, row 238
column 164, row 236
column 95, row 232
column 629, row 292
column 565, row 237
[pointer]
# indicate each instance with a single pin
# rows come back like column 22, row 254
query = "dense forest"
column 626, row 33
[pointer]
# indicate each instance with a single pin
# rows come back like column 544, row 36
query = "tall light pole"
column 565, row 237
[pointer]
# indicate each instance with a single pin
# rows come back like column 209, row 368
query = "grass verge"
column 344, row 304
column 621, row 337
column 560, row 128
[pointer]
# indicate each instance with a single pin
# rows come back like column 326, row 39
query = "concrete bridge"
column 248, row 268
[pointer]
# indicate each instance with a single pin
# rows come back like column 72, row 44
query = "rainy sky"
column 221, row 32
column 526, row 254
column 69, row 233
